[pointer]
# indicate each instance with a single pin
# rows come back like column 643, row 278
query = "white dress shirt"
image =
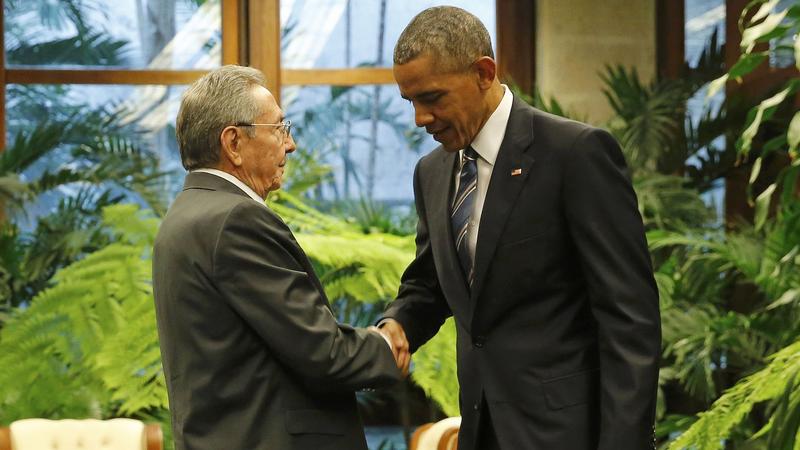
column 237, row 182
column 487, row 145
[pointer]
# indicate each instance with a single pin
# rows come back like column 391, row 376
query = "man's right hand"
column 394, row 331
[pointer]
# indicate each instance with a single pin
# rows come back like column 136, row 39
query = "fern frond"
column 716, row 424
column 379, row 259
column 91, row 335
column 435, row 369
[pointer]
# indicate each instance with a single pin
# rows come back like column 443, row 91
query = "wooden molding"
column 3, row 77
column 264, row 41
column 231, row 30
column 671, row 37
column 337, row 77
column 516, row 42
column 77, row 76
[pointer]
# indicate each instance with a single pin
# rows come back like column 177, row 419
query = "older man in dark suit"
column 252, row 354
column 530, row 236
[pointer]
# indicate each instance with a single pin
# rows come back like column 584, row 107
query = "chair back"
column 87, row 434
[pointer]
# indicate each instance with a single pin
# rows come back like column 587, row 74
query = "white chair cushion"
column 88, row 434
column 429, row 440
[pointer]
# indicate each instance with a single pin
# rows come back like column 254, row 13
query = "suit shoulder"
column 546, row 123
column 434, row 155
column 564, row 136
column 207, row 210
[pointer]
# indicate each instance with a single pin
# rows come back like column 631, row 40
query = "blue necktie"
column 463, row 205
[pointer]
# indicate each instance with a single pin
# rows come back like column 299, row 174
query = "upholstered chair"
column 442, row 435
column 88, row 434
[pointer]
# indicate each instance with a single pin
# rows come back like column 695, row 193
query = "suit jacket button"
column 479, row 340
column 476, row 406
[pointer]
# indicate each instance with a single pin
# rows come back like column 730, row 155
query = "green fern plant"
column 779, row 380
column 435, row 369
column 87, row 346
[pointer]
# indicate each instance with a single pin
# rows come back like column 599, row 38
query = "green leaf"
column 716, row 424
column 747, row 63
column 776, row 143
column 763, row 112
column 790, row 296
column 752, row 34
column 789, row 176
column 764, row 10
column 756, row 170
column 797, row 50
column 793, row 134
column 762, row 206
column 716, row 85
column 435, row 368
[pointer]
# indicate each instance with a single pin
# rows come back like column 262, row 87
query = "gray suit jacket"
column 559, row 335
column 252, row 354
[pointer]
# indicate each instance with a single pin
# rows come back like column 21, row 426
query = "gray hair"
column 453, row 36
column 221, row 98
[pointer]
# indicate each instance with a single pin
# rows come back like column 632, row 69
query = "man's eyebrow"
column 424, row 94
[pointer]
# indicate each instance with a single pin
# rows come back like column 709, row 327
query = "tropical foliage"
column 91, row 337
column 66, row 160
column 751, row 349
column 78, row 313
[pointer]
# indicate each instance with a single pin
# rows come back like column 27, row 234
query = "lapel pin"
column 516, row 172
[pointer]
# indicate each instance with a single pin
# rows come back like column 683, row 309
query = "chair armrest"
column 449, row 440
column 155, row 437
column 5, row 438
column 415, row 436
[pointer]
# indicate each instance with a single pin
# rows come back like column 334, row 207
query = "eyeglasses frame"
column 285, row 126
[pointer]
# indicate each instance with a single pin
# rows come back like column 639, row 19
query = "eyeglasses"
column 285, row 126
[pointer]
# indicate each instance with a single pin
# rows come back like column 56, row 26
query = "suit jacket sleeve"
column 606, row 227
column 420, row 306
column 257, row 266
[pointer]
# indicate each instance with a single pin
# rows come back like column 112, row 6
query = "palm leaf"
column 96, row 49
column 648, row 118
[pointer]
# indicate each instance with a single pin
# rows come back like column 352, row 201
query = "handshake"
column 394, row 334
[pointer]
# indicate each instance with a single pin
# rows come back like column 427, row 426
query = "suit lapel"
column 511, row 169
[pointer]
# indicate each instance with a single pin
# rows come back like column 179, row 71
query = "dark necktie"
column 463, row 205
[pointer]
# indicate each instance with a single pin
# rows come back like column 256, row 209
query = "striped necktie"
column 463, row 205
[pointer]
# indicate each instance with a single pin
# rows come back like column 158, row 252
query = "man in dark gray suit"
column 530, row 236
column 252, row 354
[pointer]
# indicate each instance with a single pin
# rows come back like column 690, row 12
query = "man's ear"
column 230, row 141
column 486, row 69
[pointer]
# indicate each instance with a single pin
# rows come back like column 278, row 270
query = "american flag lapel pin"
column 516, row 172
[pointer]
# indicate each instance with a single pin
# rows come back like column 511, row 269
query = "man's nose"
column 422, row 117
column 290, row 144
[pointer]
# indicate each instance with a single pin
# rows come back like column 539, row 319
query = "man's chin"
column 450, row 145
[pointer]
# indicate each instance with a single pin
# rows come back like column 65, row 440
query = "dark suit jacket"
column 252, row 354
column 559, row 336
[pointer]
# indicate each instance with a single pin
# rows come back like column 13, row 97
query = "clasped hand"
column 397, row 336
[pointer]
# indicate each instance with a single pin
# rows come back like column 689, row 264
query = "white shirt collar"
column 487, row 142
column 237, row 182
